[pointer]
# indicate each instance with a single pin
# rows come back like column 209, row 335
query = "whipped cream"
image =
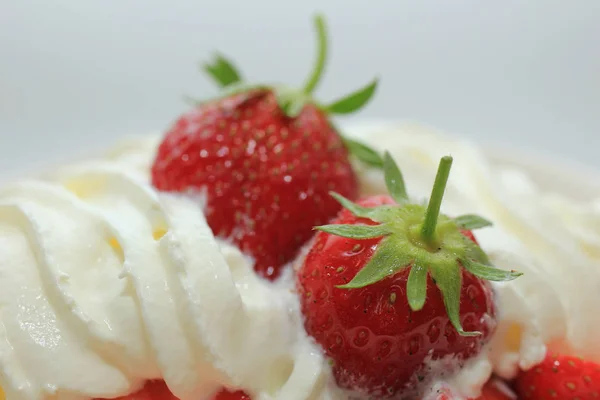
column 106, row 283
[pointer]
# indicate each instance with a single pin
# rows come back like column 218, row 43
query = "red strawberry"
column 493, row 390
column 153, row 390
column 496, row 390
column 226, row 395
column 157, row 390
column 392, row 283
column 560, row 377
column 265, row 157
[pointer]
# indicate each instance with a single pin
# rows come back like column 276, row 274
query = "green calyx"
column 420, row 238
column 292, row 101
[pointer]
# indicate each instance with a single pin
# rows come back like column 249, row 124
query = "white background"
column 77, row 74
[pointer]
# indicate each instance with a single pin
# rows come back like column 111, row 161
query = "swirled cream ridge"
column 107, row 283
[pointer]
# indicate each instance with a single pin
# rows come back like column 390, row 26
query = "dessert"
column 183, row 266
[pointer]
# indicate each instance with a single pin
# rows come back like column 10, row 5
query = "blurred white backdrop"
column 75, row 75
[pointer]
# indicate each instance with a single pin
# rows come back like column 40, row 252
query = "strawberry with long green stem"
column 265, row 157
column 391, row 284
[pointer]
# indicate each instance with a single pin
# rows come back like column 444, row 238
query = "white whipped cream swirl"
column 106, row 283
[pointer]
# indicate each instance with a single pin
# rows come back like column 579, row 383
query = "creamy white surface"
column 106, row 283
column 116, row 283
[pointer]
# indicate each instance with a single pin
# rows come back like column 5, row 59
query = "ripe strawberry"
column 226, row 395
column 157, row 390
column 496, row 390
column 493, row 390
column 392, row 283
column 560, row 377
column 265, row 157
column 153, row 390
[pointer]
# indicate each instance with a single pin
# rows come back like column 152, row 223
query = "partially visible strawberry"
column 157, row 390
column 265, row 157
column 493, row 390
column 445, row 396
column 227, row 395
column 152, row 390
column 496, row 390
column 560, row 377
column 391, row 284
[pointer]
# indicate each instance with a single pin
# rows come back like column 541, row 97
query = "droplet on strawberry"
column 265, row 157
column 391, row 284
column 560, row 377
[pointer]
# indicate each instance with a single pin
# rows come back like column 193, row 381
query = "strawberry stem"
column 435, row 201
column 317, row 73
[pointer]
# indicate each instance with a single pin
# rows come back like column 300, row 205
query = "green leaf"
column 489, row 273
column 231, row 90
column 359, row 211
column 353, row 101
column 393, row 179
column 356, row 231
column 416, row 287
column 474, row 252
column 222, row 71
column 472, row 221
column 386, row 261
column 364, row 153
column 449, row 280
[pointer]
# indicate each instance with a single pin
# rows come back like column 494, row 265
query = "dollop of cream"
column 105, row 283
